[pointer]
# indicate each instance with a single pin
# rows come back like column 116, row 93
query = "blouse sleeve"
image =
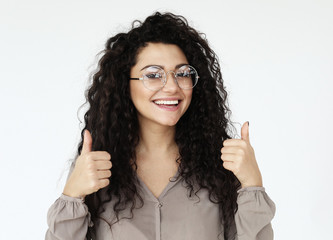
column 254, row 215
column 68, row 218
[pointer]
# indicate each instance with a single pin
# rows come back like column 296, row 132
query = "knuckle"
column 90, row 166
column 89, row 156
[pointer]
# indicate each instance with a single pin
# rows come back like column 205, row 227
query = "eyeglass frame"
column 166, row 75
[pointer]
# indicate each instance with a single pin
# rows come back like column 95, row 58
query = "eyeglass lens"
column 154, row 77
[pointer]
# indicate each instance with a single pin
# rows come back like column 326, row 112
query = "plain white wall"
column 277, row 61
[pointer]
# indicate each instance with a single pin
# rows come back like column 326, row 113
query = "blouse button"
column 160, row 205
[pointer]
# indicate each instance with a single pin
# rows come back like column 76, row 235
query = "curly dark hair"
column 113, row 124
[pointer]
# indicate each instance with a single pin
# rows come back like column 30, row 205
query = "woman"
column 155, row 160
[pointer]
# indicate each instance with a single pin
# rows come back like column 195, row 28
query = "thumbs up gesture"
column 238, row 157
column 91, row 171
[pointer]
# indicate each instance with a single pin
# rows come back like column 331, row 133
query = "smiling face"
column 158, row 107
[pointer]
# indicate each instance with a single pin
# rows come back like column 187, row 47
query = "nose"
column 171, row 84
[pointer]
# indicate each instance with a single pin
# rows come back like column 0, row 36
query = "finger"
column 233, row 142
column 103, row 164
column 231, row 149
column 100, row 155
column 228, row 165
column 103, row 182
column 87, row 142
column 228, row 157
column 103, row 174
column 245, row 132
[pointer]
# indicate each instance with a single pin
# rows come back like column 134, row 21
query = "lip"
column 168, row 99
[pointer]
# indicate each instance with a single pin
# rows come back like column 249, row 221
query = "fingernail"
column 248, row 123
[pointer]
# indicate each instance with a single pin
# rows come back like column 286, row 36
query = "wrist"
column 70, row 193
column 252, row 184
column 72, row 199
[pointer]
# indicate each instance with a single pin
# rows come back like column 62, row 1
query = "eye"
column 183, row 74
column 153, row 75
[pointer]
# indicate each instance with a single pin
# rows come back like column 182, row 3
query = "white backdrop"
column 277, row 63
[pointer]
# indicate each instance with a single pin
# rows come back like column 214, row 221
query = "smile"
column 169, row 105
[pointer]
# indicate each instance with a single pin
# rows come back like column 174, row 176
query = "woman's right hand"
column 91, row 171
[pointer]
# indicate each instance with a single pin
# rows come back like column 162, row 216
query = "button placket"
column 158, row 220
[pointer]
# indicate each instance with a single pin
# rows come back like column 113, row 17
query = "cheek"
column 138, row 95
column 134, row 91
column 189, row 97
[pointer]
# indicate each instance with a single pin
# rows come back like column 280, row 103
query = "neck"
column 156, row 139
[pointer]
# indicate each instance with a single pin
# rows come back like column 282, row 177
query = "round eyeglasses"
column 154, row 77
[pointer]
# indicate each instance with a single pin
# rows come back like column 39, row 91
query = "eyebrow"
column 155, row 65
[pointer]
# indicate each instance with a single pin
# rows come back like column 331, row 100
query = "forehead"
column 168, row 55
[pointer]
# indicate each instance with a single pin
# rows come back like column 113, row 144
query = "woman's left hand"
column 238, row 157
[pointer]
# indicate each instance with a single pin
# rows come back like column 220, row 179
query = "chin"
column 169, row 123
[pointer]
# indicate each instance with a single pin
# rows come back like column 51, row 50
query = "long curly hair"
column 113, row 124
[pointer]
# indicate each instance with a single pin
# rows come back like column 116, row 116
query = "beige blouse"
column 174, row 215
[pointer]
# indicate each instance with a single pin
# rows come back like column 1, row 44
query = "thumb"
column 87, row 142
column 245, row 131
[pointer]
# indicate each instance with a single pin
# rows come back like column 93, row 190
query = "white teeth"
column 166, row 102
